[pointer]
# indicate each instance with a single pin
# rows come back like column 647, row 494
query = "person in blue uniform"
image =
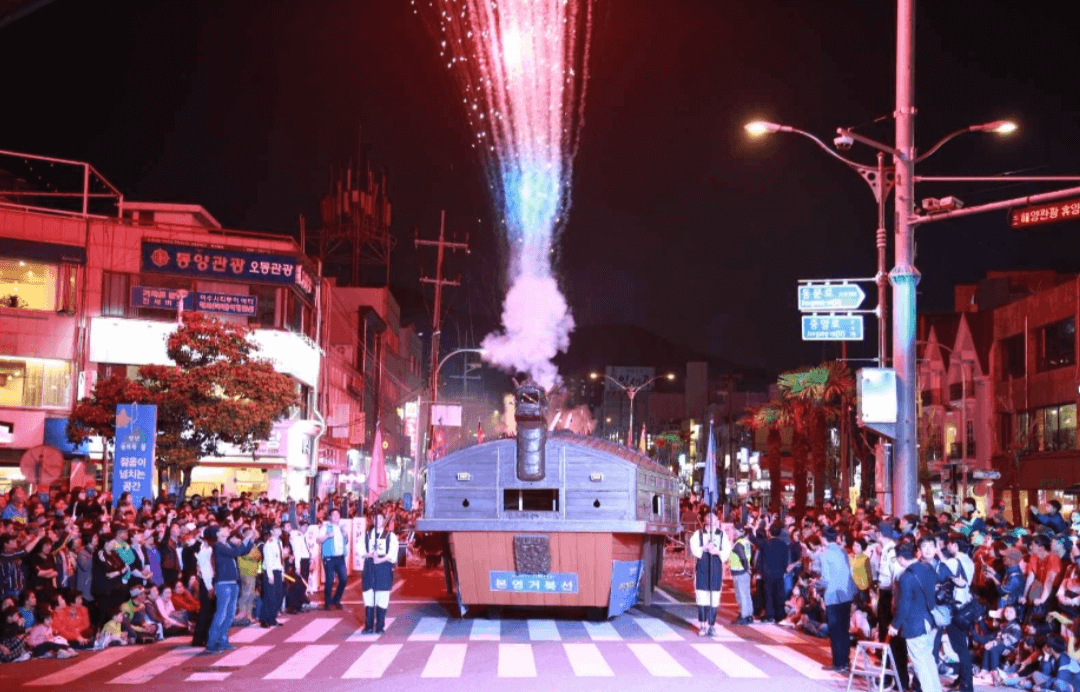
column 711, row 547
column 380, row 552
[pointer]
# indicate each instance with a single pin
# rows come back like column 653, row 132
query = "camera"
column 843, row 142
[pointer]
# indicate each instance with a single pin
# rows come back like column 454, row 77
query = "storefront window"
column 1059, row 427
column 34, row 382
column 1056, row 345
column 28, row 284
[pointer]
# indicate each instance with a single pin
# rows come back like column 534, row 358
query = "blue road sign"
column 832, row 327
column 818, row 297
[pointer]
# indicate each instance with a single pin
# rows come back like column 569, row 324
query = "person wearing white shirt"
column 273, row 586
column 301, row 553
column 380, row 552
column 711, row 548
column 204, row 562
column 332, row 537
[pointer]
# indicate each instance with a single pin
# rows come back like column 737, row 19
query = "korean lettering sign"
column 625, row 578
column 163, row 298
column 133, row 463
column 1066, row 210
column 227, row 303
column 227, row 264
column 560, row 582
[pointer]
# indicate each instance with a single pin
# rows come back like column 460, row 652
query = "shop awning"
column 1050, row 471
column 45, row 252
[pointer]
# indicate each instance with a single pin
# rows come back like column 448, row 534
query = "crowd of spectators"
column 79, row 571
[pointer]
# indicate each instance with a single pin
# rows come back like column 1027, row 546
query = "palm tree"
column 771, row 417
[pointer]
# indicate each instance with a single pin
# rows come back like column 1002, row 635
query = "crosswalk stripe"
column 428, row 630
column 147, row 671
column 208, row 677
column 446, row 661
column 85, row 666
column 728, row 661
column 803, row 664
column 247, row 635
column 516, row 661
column 373, row 662
column 723, row 634
column 301, row 663
column 587, row 661
column 243, row 656
column 602, row 631
column 358, row 637
column 544, row 631
column 658, row 662
column 485, row 630
column 658, row 630
column 313, row 630
column 781, row 635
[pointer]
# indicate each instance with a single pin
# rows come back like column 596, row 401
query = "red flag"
column 479, row 432
column 377, row 482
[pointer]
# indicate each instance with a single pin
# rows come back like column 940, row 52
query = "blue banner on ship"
column 625, row 577
column 560, row 582
column 232, row 265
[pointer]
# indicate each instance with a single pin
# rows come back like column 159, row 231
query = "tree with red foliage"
column 217, row 392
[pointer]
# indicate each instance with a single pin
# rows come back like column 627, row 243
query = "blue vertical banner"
column 133, row 465
column 625, row 581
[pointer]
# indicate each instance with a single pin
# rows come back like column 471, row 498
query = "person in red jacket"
column 71, row 619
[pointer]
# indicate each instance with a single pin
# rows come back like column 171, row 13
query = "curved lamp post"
column 631, row 392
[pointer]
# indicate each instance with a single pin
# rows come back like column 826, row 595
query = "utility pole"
column 904, row 276
column 436, row 322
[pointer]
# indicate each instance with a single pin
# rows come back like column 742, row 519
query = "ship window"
column 531, row 500
column 657, row 504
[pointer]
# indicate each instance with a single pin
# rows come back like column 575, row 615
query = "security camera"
column 843, row 142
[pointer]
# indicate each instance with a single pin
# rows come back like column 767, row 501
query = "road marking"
column 301, row 663
column 660, row 592
column 544, row 631
column 803, row 664
column 428, row 630
column 242, row 656
column 728, row 661
column 446, row 661
column 146, row 672
column 516, row 661
column 247, row 635
column 587, row 661
column 658, row 630
column 86, row 665
column 207, row 677
column 485, row 630
column 602, row 631
column 658, row 662
column 723, row 634
column 373, row 662
column 313, row 630
column 781, row 635
column 359, row 637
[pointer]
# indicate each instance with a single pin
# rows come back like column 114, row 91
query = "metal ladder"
column 863, row 666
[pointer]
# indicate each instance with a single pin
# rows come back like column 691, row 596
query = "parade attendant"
column 333, row 559
column 739, row 563
column 711, row 548
column 380, row 551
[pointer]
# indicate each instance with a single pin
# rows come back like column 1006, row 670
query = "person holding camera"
column 226, row 583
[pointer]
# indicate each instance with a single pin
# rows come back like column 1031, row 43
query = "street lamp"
column 631, row 392
column 435, row 379
column 904, row 276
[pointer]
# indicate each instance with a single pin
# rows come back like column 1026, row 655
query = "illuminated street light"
column 1001, row 127
column 631, row 392
column 761, row 127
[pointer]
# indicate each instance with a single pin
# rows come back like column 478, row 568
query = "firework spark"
column 522, row 68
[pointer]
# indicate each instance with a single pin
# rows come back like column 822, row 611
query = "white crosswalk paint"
column 544, row 631
column 428, row 630
column 801, row 663
column 313, row 630
column 247, row 635
column 373, row 662
column 85, row 665
column 147, row 671
column 358, row 637
column 723, row 634
column 602, row 631
column 780, row 635
column 658, row 662
column 446, row 661
column 587, row 661
column 485, row 630
column 301, row 663
column 207, row 677
column 658, row 630
column 516, row 661
column 728, row 661
column 243, row 656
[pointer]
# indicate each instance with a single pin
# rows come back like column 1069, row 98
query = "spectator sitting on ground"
column 112, row 634
column 44, row 642
column 72, row 620
column 184, row 601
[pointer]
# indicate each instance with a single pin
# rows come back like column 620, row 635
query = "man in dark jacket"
column 775, row 555
column 226, row 584
column 914, row 601
column 1052, row 519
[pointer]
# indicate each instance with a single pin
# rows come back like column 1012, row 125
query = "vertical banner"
column 625, row 580
column 359, row 528
column 133, row 466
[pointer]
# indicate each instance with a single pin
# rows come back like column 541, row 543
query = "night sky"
column 680, row 224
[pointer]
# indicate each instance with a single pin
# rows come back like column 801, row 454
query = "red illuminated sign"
column 1066, row 210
